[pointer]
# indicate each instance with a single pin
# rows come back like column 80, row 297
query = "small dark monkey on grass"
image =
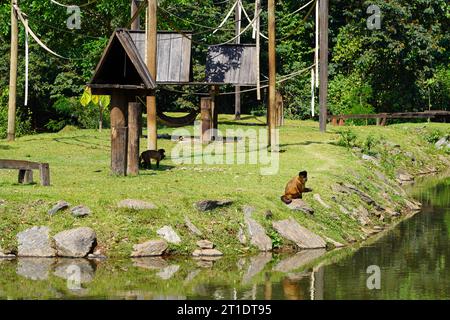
column 147, row 156
column 295, row 187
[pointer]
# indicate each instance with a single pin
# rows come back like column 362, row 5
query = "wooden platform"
column 382, row 117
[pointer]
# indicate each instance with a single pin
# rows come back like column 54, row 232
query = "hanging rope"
column 303, row 21
column 299, row 9
column 226, row 17
column 250, row 21
column 73, row 5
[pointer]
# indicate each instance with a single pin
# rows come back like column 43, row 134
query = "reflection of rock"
column 168, row 272
column 302, row 237
column 257, row 264
column 76, row 243
column 34, row 268
column 35, row 242
column 207, row 253
column 136, row 204
column 298, row 260
column 169, row 234
column 151, row 263
column 191, row 276
column 75, row 269
column 149, row 248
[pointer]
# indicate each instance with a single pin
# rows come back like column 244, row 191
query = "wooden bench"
column 26, row 170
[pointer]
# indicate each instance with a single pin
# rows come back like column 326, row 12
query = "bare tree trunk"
column 100, row 121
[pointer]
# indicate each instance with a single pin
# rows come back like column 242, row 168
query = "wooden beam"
column 134, row 111
column 206, row 120
column 135, row 24
column 119, row 134
column 323, row 71
column 152, row 132
column 272, row 78
column 11, row 136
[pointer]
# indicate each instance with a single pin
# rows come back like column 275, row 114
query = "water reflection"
column 414, row 259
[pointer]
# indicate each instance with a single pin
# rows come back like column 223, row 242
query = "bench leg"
column 25, row 176
column 44, row 170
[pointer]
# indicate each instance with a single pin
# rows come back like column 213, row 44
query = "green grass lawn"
column 79, row 163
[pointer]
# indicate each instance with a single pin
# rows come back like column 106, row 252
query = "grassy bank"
column 79, row 162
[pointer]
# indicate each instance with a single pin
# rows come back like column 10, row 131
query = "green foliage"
column 347, row 138
column 433, row 136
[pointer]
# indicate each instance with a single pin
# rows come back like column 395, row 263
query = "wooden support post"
column 273, row 143
column 206, row 119
column 280, row 110
column 237, row 97
column 378, row 121
column 135, row 25
column 134, row 111
column 383, row 121
column 119, row 134
column 214, row 111
column 44, row 172
column 341, row 122
column 152, row 132
column 323, row 72
column 25, row 176
column 334, row 121
column 11, row 136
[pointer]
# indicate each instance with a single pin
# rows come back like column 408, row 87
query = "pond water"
column 413, row 260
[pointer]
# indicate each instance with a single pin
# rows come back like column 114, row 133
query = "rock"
column 150, row 248
column 344, row 210
column 364, row 196
column 362, row 215
column 441, row 143
column 169, row 235
column 242, row 237
column 413, row 205
column 150, row 263
column 302, row 237
column 192, row 228
column 60, row 205
column 80, row 211
column 75, row 243
column 268, row 215
column 300, row 205
column 319, row 200
column 248, row 210
column 404, row 177
column 168, row 272
column 6, row 255
column 334, row 243
column 2, row 202
column 298, row 260
column 410, row 155
column 34, row 268
column 205, row 244
column 208, row 205
column 75, row 270
column 136, row 204
column 257, row 265
column 368, row 158
column 207, row 253
column 258, row 236
column 392, row 213
column 35, row 242
column 96, row 256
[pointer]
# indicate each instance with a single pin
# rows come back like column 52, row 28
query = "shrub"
column 347, row 138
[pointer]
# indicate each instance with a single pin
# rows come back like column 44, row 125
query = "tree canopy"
column 403, row 66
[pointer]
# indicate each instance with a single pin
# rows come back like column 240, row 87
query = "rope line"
column 73, row 5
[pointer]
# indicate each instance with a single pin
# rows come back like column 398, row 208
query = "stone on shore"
column 205, row 244
column 80, row 211
column 192, row 228
column 75, row 243
column 6, row 255
column 136, row 205
column 300, row 205
column 302, row 237
column 207, row 253
column 35, row 242
column 169, row 234
column 208, row 205
column 319, row 200
column 258, row 236
column 404, row 178
column 60, row 205
column 150, row 248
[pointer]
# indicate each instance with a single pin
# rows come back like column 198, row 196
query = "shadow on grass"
column 78, row 142
column 307, row 143
column 149, row 171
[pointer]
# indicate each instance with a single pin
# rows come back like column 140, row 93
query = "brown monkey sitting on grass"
column 147, row 156
column 295, row 187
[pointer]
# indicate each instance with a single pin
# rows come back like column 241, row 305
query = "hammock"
column 176, row 122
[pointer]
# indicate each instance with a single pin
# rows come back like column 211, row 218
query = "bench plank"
column 19, row 164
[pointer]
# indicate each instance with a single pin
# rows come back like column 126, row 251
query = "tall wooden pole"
column 237, row 98
column 272, row 76
column 151, row 64
column 134, row 8
column 323, row 72
column 13, row 74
